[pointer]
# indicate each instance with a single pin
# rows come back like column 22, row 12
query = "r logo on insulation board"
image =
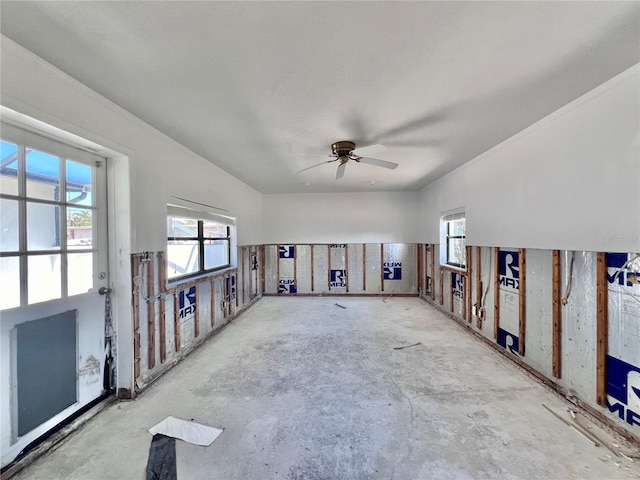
column 456, row 282
column 338, row 278
column 230, row 287
column 616, row 274
column 392, row 270
column 623, row 390
column 508, row 341
column 287, row 251
column 509, row 270
column 187, row 303
column 287, row 285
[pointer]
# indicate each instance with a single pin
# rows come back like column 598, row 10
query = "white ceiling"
column 249, row 85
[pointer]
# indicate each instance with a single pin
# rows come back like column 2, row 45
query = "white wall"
column 382, row 217
column 570, row 181
column 160, row 167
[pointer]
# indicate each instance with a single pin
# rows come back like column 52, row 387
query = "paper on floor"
column 186, row 430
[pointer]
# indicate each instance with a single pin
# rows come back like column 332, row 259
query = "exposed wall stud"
column 468, row 284
column 419, row 270
column 277, row 269
column 364, row 267
column 212, row 298
column 441, row 286
column 522, row 301
column 329, row 264
column 602, row 329
column 176, row 319
column 478, row 286
column 162, row 303
column 433, row 273
column 496, row 293
column 382, row 267
column 263, row 268
column 312, row 270
column 557, row 316
column 135, row 300
column 346, row 264
column 196, row 316
column 151, row 315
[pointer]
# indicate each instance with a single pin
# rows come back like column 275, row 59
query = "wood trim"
column 496, row 293
column 382, row 267
column 151, row 315
column 135, row 302
column 478, row 272
column 602, row 328
column 557, row 316
column 522, row 300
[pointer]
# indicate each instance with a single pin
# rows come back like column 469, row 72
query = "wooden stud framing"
column 364, row 267
column 244, row 293
column 329, row 267
column 312, row 272
column 382, row 267
column 468, row 284
column 212, row 298
column 295, row 266
column 196, row 316
column 251, row 253
column 478, row 272
column 441, row 286
column 151, row 315
column 176, row 319
column 346, row 264
column 556, row 351
column 162, row 302
column 496, row 293
column 277, row 272
column 433, row 274
column 135, row 301
column 451, row 292
column 419, row 247
column 263, row 267
column 602, row 329
column 522, row 300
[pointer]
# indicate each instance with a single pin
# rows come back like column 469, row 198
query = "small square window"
column 454, row 244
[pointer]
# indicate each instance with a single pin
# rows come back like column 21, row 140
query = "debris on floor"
column 161, row 464
column 186, row 430
column 341, row 306
column 408, row 346
column 578, row 429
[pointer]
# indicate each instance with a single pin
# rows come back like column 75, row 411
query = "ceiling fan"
column 345, row 151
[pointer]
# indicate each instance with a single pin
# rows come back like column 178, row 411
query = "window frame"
column 446, row 238
column 201, row 239
column 27, row 141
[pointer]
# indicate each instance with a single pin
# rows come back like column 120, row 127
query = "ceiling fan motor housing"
column 342, row 149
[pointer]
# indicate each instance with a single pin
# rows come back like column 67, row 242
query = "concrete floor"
column 308, row 390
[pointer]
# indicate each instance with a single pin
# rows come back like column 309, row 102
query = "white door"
column 53, row 264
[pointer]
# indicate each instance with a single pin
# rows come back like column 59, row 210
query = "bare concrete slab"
column 308, row 390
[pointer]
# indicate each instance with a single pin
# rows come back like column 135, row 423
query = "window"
column 454, row 245
column 196, row 245
column 48, row 220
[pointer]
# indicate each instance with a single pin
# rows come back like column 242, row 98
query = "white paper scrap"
column 186, row 430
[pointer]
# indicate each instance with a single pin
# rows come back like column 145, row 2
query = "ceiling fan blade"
column 340, row 171
column 316, row 165
column 370, row 150
column 377, row 162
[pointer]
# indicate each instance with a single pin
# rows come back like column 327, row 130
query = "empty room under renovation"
column 320, row 240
